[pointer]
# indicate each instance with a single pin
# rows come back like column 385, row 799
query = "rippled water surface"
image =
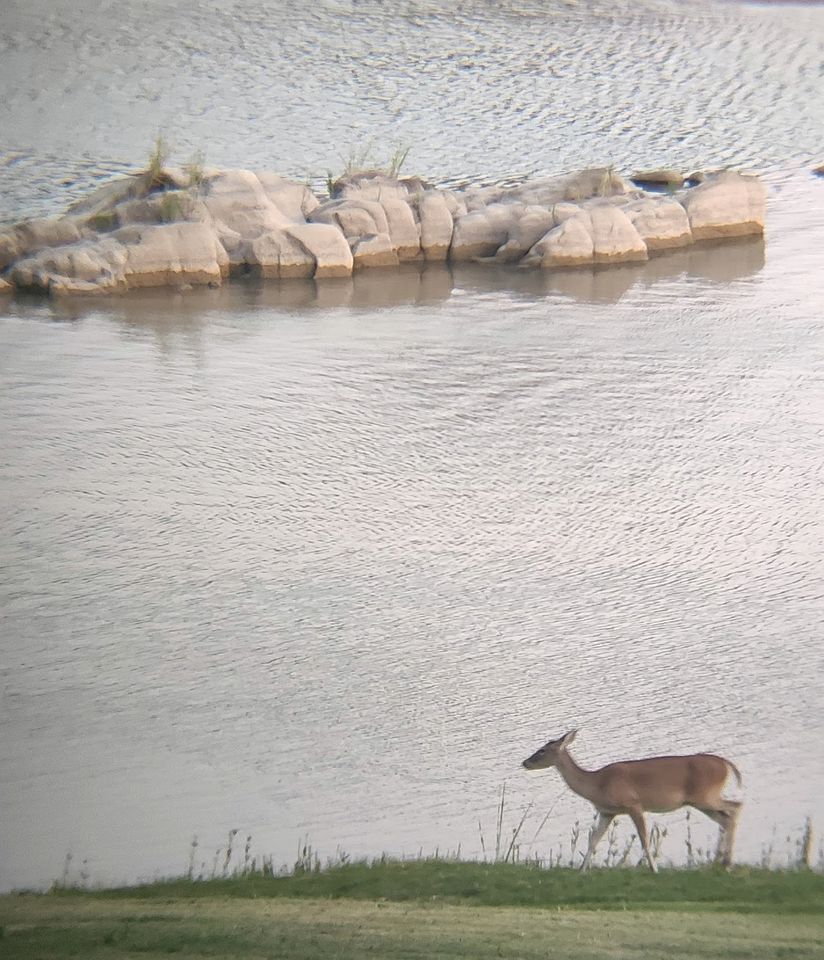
column 331, row 560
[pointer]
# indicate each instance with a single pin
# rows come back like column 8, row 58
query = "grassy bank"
column 743, row 890
column 432, row 909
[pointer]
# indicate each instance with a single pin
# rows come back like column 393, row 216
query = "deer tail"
column 736, row 771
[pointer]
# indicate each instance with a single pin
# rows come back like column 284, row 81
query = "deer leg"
column 726, row 816
column 735, row 809
column 599, row 828
column 641, row 827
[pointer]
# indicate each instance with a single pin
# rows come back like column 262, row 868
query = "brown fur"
column 652, row 785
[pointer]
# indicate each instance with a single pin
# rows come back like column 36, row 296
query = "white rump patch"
column 731, row 789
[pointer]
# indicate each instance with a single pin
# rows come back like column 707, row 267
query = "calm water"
column 331, row 561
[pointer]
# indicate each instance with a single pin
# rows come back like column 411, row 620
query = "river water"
column 329, row 561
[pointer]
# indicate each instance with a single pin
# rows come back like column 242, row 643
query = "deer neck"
column 578, row 780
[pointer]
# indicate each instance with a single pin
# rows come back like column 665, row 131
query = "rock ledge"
column 130, row 234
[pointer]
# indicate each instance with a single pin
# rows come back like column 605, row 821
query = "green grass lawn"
column 506, row 884
column 430, row 909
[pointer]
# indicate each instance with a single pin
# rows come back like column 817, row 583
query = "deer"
column 651, row 785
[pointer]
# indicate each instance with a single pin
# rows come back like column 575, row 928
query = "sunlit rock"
column 333, row 257
column 403, row 229
column 483, row 231
column 294, row 200
column 436, row 224
column 172, row 254
column 32, row 235
column 356, row 217
column 614, row 238
column 98, row 264
column 376, row 185
column 570, row 244
column 376, row 250
column 534, row 223
column 583, row 185
column 184, row 228
column 275, row 254
column 726, row 204
column 661, row 222
column 662, row 177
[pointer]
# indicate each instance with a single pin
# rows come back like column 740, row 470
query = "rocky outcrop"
column 661, row 222
column 725, row 205
column 660, row 177
column 133, row 233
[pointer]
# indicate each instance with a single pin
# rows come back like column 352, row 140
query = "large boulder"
column 294, row 200
column 570, row 244
column 88, row 266
column 106, row 197
column 576, row 187
column 437, row 225
column 365, row 225
column 276, row 254
column 403, row 229
column 479, row 233
column 526, row 232
column 237, row 201
column 376, row 185
column 329, row 247
column 172, row 254
column 726, row 204
column 597, row 232
column 355, row 216
column 376, row 250
column 614, row 238
column 32, row 235
column 659, row 177
column 661, row 222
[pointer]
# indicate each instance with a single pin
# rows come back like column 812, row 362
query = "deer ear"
column 567, row 738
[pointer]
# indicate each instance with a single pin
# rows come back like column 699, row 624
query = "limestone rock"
column 294, row 200
column 727, row 204
column 276, row 254
column 374, row 251
column 661, row 222
column 534, row 224
column 333, row 257
column 237, row 200
column 663, row 177
column 592, row 182
column 436, row 225
column 33, row 235
column 355, row 216
column 614, row 238
column 106, row 197
column 403, row 230
column 98, row 265
column 481, row 232
column 568, row 244
column 163, row 206
column 376, row 185
column 172, row 254
column 5, row 287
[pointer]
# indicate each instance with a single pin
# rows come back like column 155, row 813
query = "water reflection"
column 410, row 284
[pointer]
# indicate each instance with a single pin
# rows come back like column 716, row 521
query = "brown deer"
column 654, row 785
